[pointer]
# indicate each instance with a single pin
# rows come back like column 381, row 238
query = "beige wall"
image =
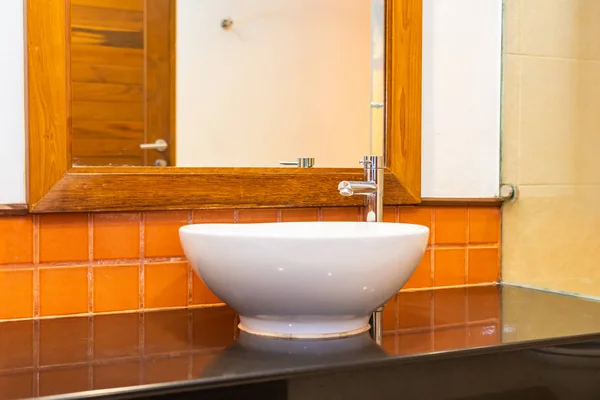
column 289, row 79
column 551, row 144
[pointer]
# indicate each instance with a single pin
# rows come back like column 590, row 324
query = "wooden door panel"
column 107, row 92
column 108, row 111
column 98, row 37
column 121, row 83
column 118, row 130
column 103, row 143
column 107, row 74
column 132, row 5
column 106, row 19
column 105, row 55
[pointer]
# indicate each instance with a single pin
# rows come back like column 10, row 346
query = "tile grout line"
column 519, row 98
column 432, row 268
column 36, row 304
column 466, row 245
column 96, row 263
column 90, row 376
column 36, row 383
column 432, row 222
column 431, row 331
column 141, row 289
column 90, row 272
column 499, row 276
column 396, row 310
column 397, row 337
column 120, row 312
column 190, row 285
column 18, row 267
column 431, row 311
column 190, row 343
column 190, row 277
column 36, row 357
column 142, row 346
column 422, row 329
column 469, row 285
column 120, row 360
column 90, row 352
column 36, row 270
column 468, row 239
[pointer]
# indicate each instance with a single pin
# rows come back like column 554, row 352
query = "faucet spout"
column 371, row 188
column 350, row 188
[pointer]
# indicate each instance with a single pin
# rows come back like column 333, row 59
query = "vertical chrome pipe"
column 377, row 326
column 372, row 189
column 374, row 172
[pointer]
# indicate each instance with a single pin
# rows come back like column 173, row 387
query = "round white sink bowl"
column 304, row 279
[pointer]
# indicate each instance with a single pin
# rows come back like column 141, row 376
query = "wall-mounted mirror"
column 226, row 83
column 183, row 104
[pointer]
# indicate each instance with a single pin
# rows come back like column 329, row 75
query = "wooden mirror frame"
column 54, row 185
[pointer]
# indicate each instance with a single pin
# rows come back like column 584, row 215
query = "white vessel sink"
column 304, row 279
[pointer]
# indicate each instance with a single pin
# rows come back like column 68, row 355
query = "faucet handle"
column 345, row 188
column 302, row 162
column 376, row 162
column 366, row 161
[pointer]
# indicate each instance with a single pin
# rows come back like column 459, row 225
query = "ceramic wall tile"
column 63, row 237
column 551, row 239
column 116, row 236
column 161, row 233
column 16, row 293
column 559, row 28
column 512, row 26
column 63, row 291
column 16, row 241
column 116, row 287
column 511, row 117
column 550, row 148
column 84, row 259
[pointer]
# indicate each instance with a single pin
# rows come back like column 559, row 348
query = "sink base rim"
column 333, row 330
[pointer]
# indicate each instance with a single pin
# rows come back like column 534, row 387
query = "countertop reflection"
column 200, row 348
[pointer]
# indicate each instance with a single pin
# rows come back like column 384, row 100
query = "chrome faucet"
column 372, row 189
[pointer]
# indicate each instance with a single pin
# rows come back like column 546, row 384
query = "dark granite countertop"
column 137, row 354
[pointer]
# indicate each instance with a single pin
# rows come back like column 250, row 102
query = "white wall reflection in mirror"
column 280, row 80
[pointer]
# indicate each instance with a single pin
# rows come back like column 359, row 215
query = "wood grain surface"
column 56, row 186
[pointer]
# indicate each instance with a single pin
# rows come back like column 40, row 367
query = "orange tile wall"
column 69, row 264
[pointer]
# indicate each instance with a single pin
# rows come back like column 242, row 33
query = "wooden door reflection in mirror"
column 122, row 73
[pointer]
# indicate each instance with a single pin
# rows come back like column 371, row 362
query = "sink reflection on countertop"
column 251, row 353
column 198, row 347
